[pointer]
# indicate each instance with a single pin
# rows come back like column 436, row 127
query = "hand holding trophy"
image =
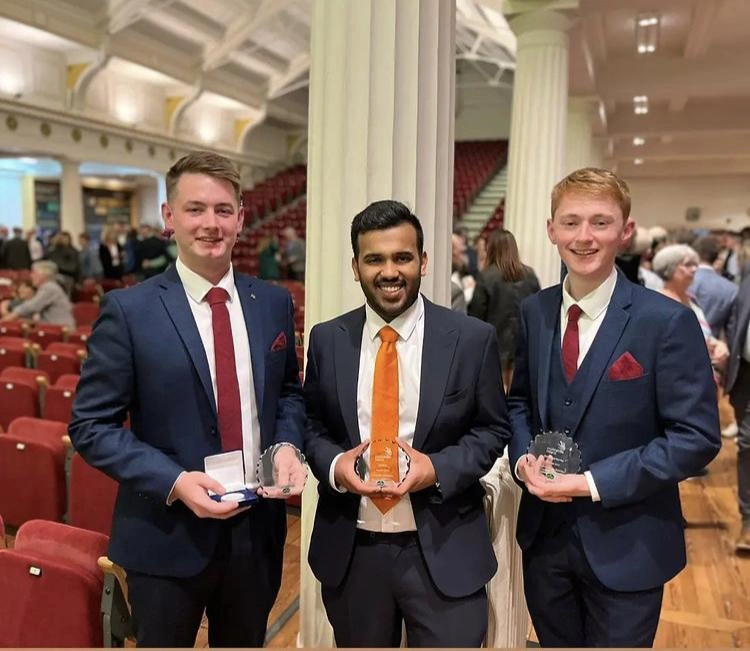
column 561, row 449
column 382, row 464
column 282, row 472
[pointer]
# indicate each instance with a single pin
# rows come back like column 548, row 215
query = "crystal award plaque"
column 564, row 451
column 281, row 479
column 381, row 468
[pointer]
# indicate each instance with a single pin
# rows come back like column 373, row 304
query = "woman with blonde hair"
column 500, row 288
column 111, row 254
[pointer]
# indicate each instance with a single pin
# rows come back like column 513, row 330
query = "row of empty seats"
column 475, row 162
column 272, row 193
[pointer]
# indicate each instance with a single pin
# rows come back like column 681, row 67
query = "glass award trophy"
column 383, row 463
column 563, row 450
column 281, row 471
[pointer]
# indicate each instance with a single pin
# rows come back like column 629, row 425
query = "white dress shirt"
column 196, row 287
column 410, row 329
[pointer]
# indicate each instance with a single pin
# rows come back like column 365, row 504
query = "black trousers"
column 570, row 607
column 237, row 589
column 388, row 585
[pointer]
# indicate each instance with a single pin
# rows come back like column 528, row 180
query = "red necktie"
column 227, row 387
column 570, row 343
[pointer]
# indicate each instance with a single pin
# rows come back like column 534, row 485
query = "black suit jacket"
column 16, row 254
column 461, row 424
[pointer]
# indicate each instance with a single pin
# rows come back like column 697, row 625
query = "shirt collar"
column 405, row 323
column 595, row 302
column 197, row 286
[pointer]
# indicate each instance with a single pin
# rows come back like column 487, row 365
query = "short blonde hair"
column 594, row 182
column 208, row 163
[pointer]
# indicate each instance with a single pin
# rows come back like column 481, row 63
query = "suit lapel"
column 346, row 352
column 551, row 303
column 438, row 347
column 605, row 342
column 252, row 311
column 176, row 303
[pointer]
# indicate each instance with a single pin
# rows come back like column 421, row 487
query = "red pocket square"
column 279, row 343
column 625, row 367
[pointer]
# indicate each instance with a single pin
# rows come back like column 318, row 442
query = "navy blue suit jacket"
column 146, row 360
column 461, row 424
column 638, row 437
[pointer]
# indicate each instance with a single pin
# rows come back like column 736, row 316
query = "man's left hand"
column 290, row 475
column 561, row 488
column 421, row 474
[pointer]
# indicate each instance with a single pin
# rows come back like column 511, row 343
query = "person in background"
column 24, row 290
column 642, row 245
column 111, row 254
column 49, row 304
column 65, row 256
column 151, row 252
column 498, row 294
column 90, row 264
column 714, row 293
column 268, row 258
column 481, row 248
column 16, row 254
column 35, row 246
column 676, row 265
column 294, row 254
column 458, row 267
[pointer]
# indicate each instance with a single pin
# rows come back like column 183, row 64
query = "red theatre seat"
column 51, row 587
column 85, row 312
column 91, row 498
column 44, row 333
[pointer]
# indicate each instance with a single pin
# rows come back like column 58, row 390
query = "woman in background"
column 500, row 288
column 111, row 254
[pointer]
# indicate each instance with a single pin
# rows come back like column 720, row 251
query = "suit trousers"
column 236, row 589
column 388, row 585
column 740, row 398
column 570, row 607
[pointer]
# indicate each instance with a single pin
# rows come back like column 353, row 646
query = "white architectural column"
column 380, row 127
column 71, row 199
column 537, row 135
column 579, row 147
column 28, row 202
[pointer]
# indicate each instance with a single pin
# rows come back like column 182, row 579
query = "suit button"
column 213, row 431
column 568, row 402
column 566, row 431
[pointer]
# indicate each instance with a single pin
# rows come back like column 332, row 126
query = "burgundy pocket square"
column 279, row 343
column 625, row 367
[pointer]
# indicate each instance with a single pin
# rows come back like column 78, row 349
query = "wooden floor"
column 707, row 605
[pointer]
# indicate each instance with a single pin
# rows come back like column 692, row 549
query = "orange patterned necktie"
column 384, row 429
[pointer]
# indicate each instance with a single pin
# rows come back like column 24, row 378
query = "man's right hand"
column 345, row 476
column 192, row 489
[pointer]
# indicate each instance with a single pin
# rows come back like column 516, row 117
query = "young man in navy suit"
column 625, row 373
column 202, row 361
column 417, row 552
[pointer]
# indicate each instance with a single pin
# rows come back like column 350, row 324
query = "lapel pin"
column 252, row 296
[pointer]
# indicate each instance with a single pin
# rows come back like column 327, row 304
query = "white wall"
column 11, row 190
column 267, row 142
column 482, row 113
column 723, row 201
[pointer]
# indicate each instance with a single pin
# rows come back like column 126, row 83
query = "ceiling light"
column 638, row 141
column 640, row 104
column 646, row 33
column 638, row 161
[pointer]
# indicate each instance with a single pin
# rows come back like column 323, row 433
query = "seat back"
column 29, row 376
column 12, row 354
column 56, row 364
column 3, row 544
column 50, row 589
column 85, row 312
column 40, row 429
column 13, row 328
column 17, row 399
column 58, row 402
column 91, row 497
column 44, row 333
column 32, row 480
column 80, row 335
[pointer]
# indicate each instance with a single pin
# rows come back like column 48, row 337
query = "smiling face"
column 206, row 219
column 588, row 231
column 389, row 269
